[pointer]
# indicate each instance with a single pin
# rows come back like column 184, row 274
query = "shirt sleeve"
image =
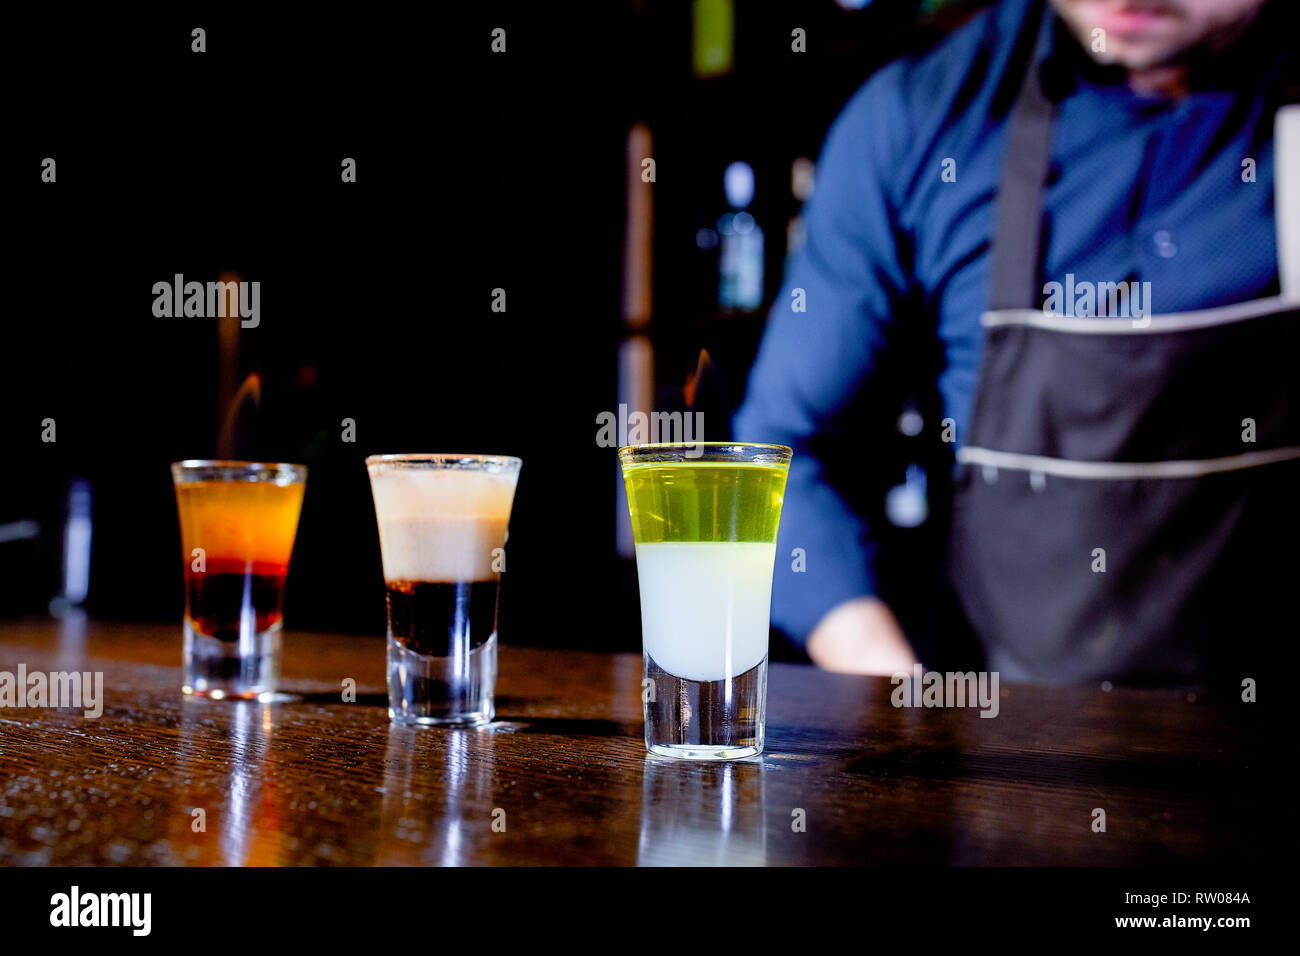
column 813, row 366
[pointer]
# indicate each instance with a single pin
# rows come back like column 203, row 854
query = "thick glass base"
column 705, row 720
column 703, row 753
column 455, row 691
column 248, row 668
column 476, row 720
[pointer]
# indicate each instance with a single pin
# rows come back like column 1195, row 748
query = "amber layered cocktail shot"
column 238, row 522
column 442, row 534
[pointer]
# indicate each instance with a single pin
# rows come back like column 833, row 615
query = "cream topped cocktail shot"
column 705, row 527
column 442, row 534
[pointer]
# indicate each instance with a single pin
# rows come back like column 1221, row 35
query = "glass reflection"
column 702, row 814
column 437, row 808
column 248, row 813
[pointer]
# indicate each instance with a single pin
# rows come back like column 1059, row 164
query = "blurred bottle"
column 74, row 558
column 740, row 254
column 714, row 51
column 801, row 187
column 636, row 355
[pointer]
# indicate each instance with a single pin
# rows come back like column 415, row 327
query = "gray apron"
column 1109, row 520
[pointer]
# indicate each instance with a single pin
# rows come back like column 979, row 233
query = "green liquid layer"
column 704, row 501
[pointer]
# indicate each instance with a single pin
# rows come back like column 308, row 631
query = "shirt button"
column 1164, row 245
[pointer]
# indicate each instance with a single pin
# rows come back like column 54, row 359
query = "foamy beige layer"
column 441, row 549
column 441, row 525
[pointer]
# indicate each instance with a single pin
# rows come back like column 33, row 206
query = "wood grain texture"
column 315, row 780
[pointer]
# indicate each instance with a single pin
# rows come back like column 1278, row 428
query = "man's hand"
column 861, row 636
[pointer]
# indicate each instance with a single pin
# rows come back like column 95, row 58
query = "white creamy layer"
column 705, row 605
column 441, row 524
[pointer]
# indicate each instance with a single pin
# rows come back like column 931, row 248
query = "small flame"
column 252, row 388
column 702, row 365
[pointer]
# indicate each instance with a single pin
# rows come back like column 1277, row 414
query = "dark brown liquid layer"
column 222, row 603
column 438, row 619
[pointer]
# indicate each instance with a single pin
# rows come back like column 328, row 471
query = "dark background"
column 475, row 171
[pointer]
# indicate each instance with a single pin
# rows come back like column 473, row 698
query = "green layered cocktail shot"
column 705, row 527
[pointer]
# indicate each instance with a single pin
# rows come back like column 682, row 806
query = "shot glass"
column 704, row 520
column 238, row 523
column 442, row 535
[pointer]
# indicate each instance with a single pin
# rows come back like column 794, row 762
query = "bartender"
column 1124, row 468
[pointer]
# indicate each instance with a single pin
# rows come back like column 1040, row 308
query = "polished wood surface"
column 564, row 775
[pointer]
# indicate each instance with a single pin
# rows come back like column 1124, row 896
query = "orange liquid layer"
column 239, row 521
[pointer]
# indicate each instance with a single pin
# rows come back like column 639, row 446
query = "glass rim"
column 237, row 468
column 444, row 460
column 736, row 451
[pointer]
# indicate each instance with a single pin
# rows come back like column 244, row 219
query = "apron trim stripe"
column 1286, row 156
column 1183, row 321
column 1066, row 468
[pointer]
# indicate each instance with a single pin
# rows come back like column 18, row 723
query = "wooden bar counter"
column 563, row 777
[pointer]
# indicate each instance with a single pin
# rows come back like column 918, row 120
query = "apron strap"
column 1018, row 226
